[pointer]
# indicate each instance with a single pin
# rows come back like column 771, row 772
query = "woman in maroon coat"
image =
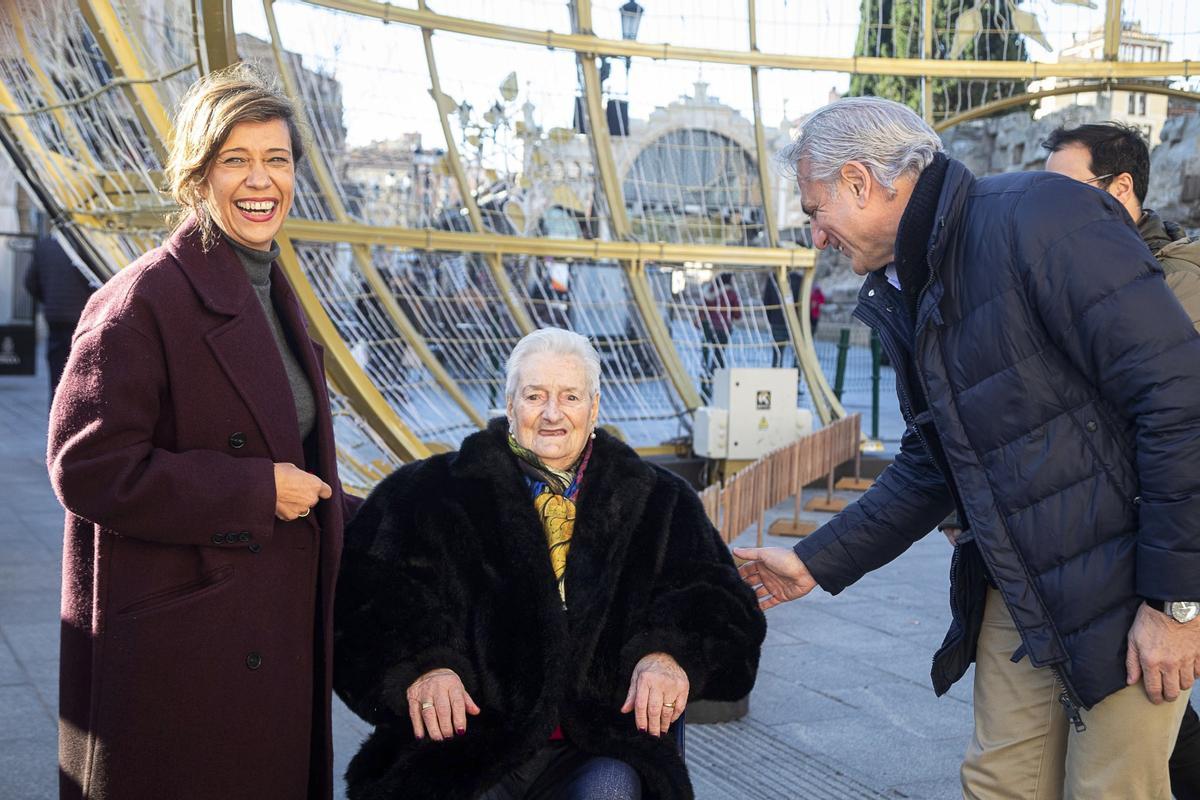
column 191, row 444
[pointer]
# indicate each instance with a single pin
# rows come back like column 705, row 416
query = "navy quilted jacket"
column 1063, row 388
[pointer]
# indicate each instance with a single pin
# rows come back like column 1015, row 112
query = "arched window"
column 691, row 185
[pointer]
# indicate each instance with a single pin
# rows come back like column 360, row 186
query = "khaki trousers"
column 1024, row 747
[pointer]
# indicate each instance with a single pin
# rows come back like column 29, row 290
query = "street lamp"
column 631, row 18
column 617, row 110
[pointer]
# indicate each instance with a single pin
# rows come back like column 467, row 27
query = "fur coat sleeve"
column 697, row 611
column 400, row 611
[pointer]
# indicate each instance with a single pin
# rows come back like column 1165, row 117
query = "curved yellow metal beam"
column 618, row 218
column 988, row 109
column 49, row 90
column 114, row 42
column 362, row 254
column 828, row 407
column 216, row 40
column 342, row 367
column 760, row 140
column 495, row 264
column 319, row 231
column 857, row 65
column 54, row 168
column 1112, row 29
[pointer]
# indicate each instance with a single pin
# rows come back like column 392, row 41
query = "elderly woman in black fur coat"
column 505, row 646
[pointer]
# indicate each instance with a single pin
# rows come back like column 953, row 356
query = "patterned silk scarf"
column 554, row 492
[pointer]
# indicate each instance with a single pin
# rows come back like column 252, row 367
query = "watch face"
column 1185, row 611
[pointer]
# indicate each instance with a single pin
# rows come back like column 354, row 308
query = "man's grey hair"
column 888, row 138
column 558, row 342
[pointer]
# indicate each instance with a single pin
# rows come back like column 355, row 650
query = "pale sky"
column 385, row 80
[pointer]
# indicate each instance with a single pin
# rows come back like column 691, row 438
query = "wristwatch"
column 1179, row 610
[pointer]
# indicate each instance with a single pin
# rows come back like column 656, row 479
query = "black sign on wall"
column 18, row 349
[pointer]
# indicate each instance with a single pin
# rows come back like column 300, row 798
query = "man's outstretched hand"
column 776, row 574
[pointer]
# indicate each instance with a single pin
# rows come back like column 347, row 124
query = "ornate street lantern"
column 631, row 18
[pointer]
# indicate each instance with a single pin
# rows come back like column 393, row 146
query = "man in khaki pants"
column 1113, row 158
column 1049, row 380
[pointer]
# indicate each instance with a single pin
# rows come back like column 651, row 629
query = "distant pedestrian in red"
column 192, row 446
column 815, row 300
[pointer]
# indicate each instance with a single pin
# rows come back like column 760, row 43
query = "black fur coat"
column 446, row 566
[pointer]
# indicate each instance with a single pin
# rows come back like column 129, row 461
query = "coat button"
column 253, row 661
column 1091, row 426
column 237, row 440
column 218, row 538
column 244, row 536
column 871, row 293
column 254, row 547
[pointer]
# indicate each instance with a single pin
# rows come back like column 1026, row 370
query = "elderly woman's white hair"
column 559, row 342
column 888, row 138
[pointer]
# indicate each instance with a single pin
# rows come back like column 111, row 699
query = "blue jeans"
column 561, row 771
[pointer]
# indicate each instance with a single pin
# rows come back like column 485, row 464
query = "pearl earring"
column 593, row 434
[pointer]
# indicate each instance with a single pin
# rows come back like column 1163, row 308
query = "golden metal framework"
column 114, row 42
column 340, row 364
column 49, row 91
column 449, row 241
column 216, row 40
column 1017, row 100
column 926, row 49
column 362, row 394
column 495, row 264
column 861, row 65
column 634, row 268
column 1112, row 29
column 362, row 254
column 215, row 46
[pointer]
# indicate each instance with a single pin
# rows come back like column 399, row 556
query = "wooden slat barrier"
column 744, row 498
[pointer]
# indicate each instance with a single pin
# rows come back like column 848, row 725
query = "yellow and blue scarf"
column 553, row 492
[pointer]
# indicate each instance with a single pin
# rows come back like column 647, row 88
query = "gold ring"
column 303, row 513
column 668, row 705
column 426, row 704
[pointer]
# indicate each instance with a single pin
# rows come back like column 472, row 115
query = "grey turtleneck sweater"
column 257, row 264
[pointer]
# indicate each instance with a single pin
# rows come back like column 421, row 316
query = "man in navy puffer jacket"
column 1049, row 380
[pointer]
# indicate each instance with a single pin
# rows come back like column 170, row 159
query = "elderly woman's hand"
column 658, row 693
column 438, row 704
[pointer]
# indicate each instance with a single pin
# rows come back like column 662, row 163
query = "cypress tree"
column 892, row 28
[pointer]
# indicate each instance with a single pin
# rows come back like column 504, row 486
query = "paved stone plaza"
column 842, row 709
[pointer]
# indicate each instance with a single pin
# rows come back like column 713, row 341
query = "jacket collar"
column 216, row 275
column 1156, row 232
column 956, row 188
column 916, row 229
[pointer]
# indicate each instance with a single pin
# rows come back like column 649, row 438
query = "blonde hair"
column 208, row 112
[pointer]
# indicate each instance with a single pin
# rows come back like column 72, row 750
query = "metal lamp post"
column 631, row 20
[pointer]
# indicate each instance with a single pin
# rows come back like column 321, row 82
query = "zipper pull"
column 1072, row 712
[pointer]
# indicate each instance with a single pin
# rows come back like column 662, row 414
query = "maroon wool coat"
column 196, row 626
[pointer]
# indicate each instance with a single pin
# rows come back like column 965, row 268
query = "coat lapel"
column 612, row 502
column 244, row 346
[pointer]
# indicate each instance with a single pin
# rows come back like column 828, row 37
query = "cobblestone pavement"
column 842, row 707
